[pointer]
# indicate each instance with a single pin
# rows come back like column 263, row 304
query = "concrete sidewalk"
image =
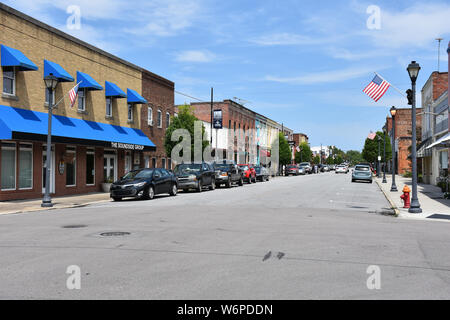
column 19, row 206
column 431, row 199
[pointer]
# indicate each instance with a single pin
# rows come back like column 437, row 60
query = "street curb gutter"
column 393, row 206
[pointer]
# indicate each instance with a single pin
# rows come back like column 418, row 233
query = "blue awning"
column 134, row 97
column 112, row 90
column 14, row 58
column 16, row 123
column 87, row 82
column 57, row 71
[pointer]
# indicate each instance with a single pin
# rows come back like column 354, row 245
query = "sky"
column 302, row 63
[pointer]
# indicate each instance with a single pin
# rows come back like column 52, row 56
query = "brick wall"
column 440, row 83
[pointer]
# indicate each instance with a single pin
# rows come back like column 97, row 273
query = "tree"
column 316, row 160
column 285, row 154
column 330, row 160
column 338, row 160
column 184, row 120
column 305, row 154
column 370, row 151
column 354, row 156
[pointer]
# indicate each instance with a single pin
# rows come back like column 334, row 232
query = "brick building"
column 156, row 117
column 403, row 125
column 97, row 139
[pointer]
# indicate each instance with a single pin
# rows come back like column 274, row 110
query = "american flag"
column 371, row 135
column 376, row 88
column 73, row 93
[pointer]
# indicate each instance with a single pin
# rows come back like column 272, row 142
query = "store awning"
column 134, row 97
column 23, row 124
column 422, row 150
column 87, row 82
column 57, row 71
column 441, row 142
column 112, row 90
column 14, row 58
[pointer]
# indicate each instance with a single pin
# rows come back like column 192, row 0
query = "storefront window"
column 109, row 107
column 443, row 160
column 25, row 166
column 81, row 100
column 9, row 80
column 8, row 166
column 71, row 166
column 90, row 167
column 163, row 163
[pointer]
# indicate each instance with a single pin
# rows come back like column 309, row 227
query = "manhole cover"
column 75, row 226
column 114, row 234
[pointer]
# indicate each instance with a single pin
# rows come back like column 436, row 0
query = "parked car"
column 362, row 172
column 292, row 169
column 325, row 168
column 248, row 173
column 195, row 176
column 145, row 184
column 341, row 169
column 228, row 173
column 332, row 167
column 262, row 173
column 301, row 170
column 307, row 166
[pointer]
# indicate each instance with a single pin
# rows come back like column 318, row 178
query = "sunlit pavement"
column 305, row 237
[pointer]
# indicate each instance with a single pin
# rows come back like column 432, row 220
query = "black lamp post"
column 413, row 71
column 378, row 166
column 393, row 112
column 384, row 156
column 50, row 82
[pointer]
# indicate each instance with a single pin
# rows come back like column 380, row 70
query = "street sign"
column 217, row 119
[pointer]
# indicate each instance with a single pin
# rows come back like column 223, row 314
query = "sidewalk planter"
column 106, row 186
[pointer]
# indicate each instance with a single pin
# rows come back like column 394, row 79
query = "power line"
column 186, row 95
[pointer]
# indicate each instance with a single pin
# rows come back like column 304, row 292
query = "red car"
column 248, row 172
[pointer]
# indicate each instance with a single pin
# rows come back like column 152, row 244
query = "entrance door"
column 52, row 170
column 109, row 167
column 128, row 163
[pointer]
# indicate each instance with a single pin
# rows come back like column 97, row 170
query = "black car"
column 145, row 184
column 227, row 173
column 262, row 173
column 195, row 176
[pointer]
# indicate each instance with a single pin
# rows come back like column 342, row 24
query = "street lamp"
column 50, row 82
column 413, row 71
column 378, row 167
column 384, row 156
column 393, row 112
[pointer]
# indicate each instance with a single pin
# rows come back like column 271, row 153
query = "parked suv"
column 195, row 176
column 144, row 183
column 262, row 173
column 227, row 173
column 307, row 167
column 292, row 169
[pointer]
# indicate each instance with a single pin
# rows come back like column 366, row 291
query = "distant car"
column 325, row 168
column 332, row 167
column 292, row 170
column 195, row 176
column 248, row 173
column 362, row 173
column 145, row 184
column 307, row 166
column 228, row 173
column 262, row 173
column 341, row 169
column 301, row 170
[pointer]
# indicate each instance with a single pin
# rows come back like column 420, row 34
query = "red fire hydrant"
column 405, row 197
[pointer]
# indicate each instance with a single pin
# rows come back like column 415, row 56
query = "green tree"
column 316, row 160
column 305, row 154
column 354, row 156
column 184, row 120
column 370, row 151
column 339, row 159
column 284, row 150
column 330, row 160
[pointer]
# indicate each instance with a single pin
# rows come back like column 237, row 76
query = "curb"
column 393, row 206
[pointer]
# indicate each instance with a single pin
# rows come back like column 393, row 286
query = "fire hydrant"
column 405, row 197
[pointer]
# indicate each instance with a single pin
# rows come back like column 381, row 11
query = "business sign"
column 127, row 146
column 217, row 119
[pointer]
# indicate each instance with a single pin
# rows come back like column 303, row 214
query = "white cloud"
column 195, row 56
column 286, row 39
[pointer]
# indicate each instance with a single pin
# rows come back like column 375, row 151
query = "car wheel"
column 213, row 185
column 149, row 193
column 353, row 180
column 241, row 182
column 117, row 198
column 174, row 190
column 199, row 186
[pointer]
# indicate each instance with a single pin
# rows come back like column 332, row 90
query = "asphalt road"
column 305, row 237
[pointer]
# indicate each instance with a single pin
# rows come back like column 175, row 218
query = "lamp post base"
column 394, row 189
column 47, row 203
column 415, row 206
column 415, row 210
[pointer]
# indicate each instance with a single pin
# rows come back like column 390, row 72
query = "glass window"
column 108, row 106
column 47, row 96
column 169, row 164
column 81, row 100
column 71, row 166
column 90, row 167
column 159, row 119
column 163, row 163
column 8, row 166
column 167, row 119
column 25, row 166
column 130, row 112
column 150, row 116
column 9, row 80
column 153, row 162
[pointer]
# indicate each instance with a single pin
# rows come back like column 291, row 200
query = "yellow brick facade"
column 38, row 44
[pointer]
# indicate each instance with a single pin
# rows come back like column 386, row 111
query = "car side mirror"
column 157, row 176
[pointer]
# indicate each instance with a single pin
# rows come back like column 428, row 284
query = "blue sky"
column 302, row 63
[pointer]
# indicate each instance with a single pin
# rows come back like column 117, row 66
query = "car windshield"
column 291, row 167
column 138, row 174
column 187, row 168
column 362, row 168
column 221, row 166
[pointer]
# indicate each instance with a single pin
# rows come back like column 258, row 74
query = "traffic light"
column 409, row 95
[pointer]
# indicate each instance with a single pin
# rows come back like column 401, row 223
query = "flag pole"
column 56, row 104
column 399, row 91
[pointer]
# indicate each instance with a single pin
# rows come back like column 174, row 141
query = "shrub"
column 407, row 174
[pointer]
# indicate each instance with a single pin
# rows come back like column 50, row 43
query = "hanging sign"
column 217, row 119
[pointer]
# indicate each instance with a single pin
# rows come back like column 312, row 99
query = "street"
column 299, row 237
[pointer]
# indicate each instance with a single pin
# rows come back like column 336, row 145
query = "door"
column 109, row 167
column 206, row 174
column 128, row 163
column 159, row 181
column 52, row 170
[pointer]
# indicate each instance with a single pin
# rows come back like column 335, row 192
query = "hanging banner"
column 217, row 119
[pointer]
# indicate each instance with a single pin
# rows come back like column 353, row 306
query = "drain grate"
column 114, row 234
column 439, row 216
column 73, row 226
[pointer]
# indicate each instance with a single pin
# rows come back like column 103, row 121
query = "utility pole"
column 212, row 93
column 439, row 52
